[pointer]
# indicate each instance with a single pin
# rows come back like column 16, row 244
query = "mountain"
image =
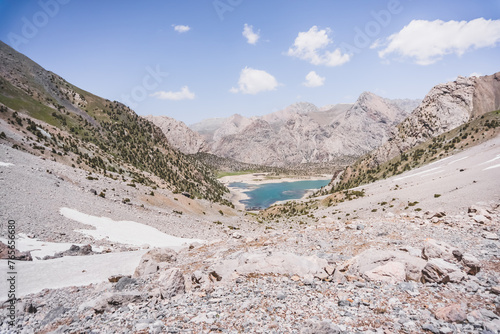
column 446, row 120
column 444, row 108
column 50, row 117
column 305, row 134
column 179, row 135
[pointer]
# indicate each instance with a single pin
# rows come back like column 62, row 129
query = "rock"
column 441, row 271
column 373, row 258
column 124, row 282
column 490, row 236
column 54, row 314
column 471, row 264
column 391, row 272
column 283, row 263
column 93, row 191
column 214, row 277
column 495, row 290
column 438, row 249
column 155, row 260
column 74, row 250
column 480, row 219
column 320, row 327
column 18, row 255
column 431, row 328
column 116, row 278
column 451, row 313
column 171, row 283
column 329, row 270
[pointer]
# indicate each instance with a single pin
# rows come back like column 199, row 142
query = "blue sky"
column 193, row 60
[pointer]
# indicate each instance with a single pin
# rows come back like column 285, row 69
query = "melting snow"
column 126, row 232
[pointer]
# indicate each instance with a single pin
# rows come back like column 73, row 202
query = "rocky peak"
column 179, row 135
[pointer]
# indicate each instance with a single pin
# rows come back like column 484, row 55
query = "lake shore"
column 239, row 194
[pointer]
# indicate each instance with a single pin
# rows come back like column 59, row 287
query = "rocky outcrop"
column 155, row 260
column 179, row 135
column 445, row 107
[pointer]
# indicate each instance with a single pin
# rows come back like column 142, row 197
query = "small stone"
column 490, row 236
column 495, row 290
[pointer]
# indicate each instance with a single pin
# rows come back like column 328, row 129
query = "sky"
column 193, row 60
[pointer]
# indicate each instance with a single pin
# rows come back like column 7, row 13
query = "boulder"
column 373, row 258
column 282, row 263
column 434, row 249
column 451, row 313
column 391, row 272
column 471, row 264
column 155, row 260
column 441, row 271
column 171, row 283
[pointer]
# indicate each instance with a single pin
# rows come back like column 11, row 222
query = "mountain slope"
column 179, row 135
column 75, row 126
column 438, row 126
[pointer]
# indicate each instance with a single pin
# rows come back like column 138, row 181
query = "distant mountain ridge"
column 302, row 133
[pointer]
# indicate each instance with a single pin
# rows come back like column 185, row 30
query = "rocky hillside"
column 47, row 116
column 305, row 134
column 179, row 135
column 464, row 106
column 445, row 107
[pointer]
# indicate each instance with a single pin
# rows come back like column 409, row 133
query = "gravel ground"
column 274, row 277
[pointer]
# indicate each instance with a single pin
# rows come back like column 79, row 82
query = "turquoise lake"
column 262, row 196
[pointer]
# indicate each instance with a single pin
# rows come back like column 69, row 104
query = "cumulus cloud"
column 183, row 94
column 426, row 42
column 313, row 80
column 181, row 28
column 310, row 45
column 254, row 81
column 251, row 36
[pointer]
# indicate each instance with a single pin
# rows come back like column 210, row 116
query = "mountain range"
column 300, row 134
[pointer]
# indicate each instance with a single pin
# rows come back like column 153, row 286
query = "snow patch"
column 67, row 271
column 126, row 232
column 5, row 164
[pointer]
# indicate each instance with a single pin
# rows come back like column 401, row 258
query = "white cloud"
column 254, row 81
column 308, row 46
column 313, row 80
column 475, row 74
column 250, row 35
column 183, row 94
column 428, row 41
column 181, row 28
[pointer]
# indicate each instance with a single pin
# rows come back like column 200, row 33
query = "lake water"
column 263, row 195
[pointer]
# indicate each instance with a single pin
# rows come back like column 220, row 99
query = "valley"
column 378, row 216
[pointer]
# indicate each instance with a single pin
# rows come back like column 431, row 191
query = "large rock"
column 441, row 271
column 171, row 283
column 263, row 263
column 369, row 260
column 434, row 249
column 391, row 272
column 155, row 260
